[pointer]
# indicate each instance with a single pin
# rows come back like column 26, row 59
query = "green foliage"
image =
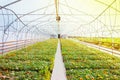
column 34, row 62
column 113, row 43
column 84, row 63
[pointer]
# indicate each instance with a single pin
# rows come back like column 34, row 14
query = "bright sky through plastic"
column 77, row 16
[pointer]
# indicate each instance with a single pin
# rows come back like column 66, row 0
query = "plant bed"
column 113, row 43
column 85, row 63
column 34, row 62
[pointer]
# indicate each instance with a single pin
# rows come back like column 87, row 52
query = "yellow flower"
column 87, row 76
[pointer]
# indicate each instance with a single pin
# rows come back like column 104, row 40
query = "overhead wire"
column 9, row 4
column 40, row 22
column 82, row 13
column 108, row 5
column 96, row 18
column 34, row 21
column 18, row 18
column 47, row 7
column 68, row 7
column 100, row 13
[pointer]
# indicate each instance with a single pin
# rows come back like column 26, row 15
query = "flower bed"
column 84, row 63
column 32, row 63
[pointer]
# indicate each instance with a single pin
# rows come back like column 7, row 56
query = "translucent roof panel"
column 97, row 18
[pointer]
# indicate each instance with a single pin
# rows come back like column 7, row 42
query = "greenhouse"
column 59, row 40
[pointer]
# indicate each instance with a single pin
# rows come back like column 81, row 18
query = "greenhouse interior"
column 59, row 40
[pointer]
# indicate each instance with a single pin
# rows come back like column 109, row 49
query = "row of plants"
column 113, row 43
column 85, row 63
column 34, row 62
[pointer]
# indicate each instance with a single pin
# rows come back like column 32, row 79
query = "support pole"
column 57, row 16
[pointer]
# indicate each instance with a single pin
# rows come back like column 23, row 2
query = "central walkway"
column 59, row 72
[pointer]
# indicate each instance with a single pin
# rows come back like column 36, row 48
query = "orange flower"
column 81, row 78
column 0, row 74
column 92, row 78
column 105, row 72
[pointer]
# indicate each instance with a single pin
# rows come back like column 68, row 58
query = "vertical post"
column 3, row 41
column 59, row 31
column 57, row 16
column 58, row 20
